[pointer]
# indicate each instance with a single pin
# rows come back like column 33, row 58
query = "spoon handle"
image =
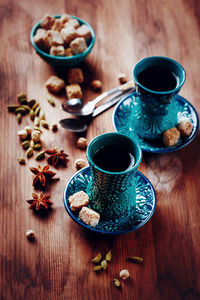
column 112, row 101
column 124, row 87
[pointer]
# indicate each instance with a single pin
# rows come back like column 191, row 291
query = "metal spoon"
column 88, row 108
column 81, row 124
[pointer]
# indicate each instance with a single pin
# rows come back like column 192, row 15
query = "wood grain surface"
column 58, row 264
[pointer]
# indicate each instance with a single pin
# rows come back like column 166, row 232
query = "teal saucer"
column 145, row 204
column 127, row 110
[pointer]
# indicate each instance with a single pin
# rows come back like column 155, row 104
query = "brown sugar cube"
column 171, row 136
column 74, row 91
column 96, row 85
column 55, row 38
column 55, row 84
column 185, row 127
column 41, row 40
column 47, row 22
column 64, row 18
column 58, row 25
column 57, row 50
column 75, row 75
column 68, row 52
column 78, row 200
column 68, row 34
column 84, row 31
column 72, row 22
column 89, row 216
column 78, row 45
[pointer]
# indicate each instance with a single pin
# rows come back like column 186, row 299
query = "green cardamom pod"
column 12, row 107
column 19, row 118
column 108, row 256
column 104, row 264
column 21, row 161
column 25, row 144
column 37, row 146
column 44, row 124
column 38, row 129
column 27, row 108
column 135, row 259
column 41, row 115
column 35, row 105
column 40, row 155
column 37, row 121
column 97, row 258
column 20, row 110
column 32, row 115
column 37, row 110
column 29, row 152
column 31, row 103
column 32, row 144
column 51, row 101
column 97, row 268
column 117, row 282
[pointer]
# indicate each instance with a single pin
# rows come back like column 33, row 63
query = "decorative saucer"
column 145, row 204
column 127, row 108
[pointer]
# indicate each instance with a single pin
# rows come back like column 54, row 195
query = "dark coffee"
column 157, row 78
column 113, row 158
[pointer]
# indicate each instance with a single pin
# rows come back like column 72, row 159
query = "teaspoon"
column 87, row 109
column 81, row 124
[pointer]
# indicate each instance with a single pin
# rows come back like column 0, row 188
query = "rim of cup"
column 164, row 58
column 136, row 164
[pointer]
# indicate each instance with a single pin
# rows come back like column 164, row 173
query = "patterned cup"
column 112, row 194
column 158, row 109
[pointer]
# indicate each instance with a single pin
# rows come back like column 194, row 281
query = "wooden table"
column 57, row 265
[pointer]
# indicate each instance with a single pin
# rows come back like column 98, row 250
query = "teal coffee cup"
column 114, row 159
column 158, row 80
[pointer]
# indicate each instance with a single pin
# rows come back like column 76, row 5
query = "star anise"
column 42, row 175
column 56, row 157
column 40, row 202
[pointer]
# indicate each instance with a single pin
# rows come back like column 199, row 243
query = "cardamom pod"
column 20, row 110
column 37, row 129
column 31, row 103
column 41, row 115
column 51, row 101
column 108, row 256
column 44, row 124
column 27, row 108
column 19, row 118
column 32, row 115
column 12, row 107
column 21, row 96
column 32, row 144
column 25, row 145
column 37, row 121
column 135, row 259
column 35, row 136
column 37, row 146
column 29, row 152
column 116, row 282
column 97, row 268
column 97, row 258
column 40, row 155
column 21, row 161
column 35, row 105
column 104, row 264
column 37, row 110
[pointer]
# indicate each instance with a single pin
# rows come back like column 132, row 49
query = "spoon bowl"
column 74, row 125
column 74, row 104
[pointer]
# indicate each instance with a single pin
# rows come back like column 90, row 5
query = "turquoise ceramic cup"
column 112, row 194
column 158, row 109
